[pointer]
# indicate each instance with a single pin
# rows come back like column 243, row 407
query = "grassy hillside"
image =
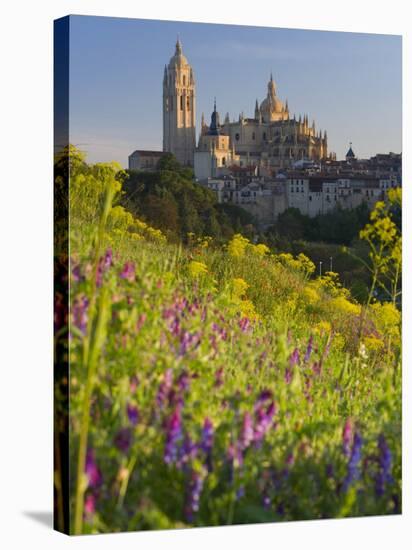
column 217, row 384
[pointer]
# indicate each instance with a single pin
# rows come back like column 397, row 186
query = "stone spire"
column 178, row 46
column 256, row 109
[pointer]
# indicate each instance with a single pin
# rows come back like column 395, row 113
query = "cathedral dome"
column 178, row 60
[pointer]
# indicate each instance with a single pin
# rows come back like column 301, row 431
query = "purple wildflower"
column 92, row 471
column 89, row 506
column 347, row 436
column 384, row 475
column 187, row 452
column 76, row 273
column 164, row 388
column 263, row 416
column 173, row 436
column 132, row 414
column 353, row 472
column 294, row 358
column 188, row 341
column 240, row 493
column 288, row 375
column 247, row 433
column 206, row 443
column 244, row 324
column 194, row 491
column 128, row 272
column 183, row 381
column 80, row 313
column 105, row 262
column 123, row 439
column 219, row 378
column 309, row 349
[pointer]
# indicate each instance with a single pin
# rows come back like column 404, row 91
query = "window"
column 188, row 103
column 310, row 197
column 264, row 136
column 184, row 80
column 237, row 137
column 224, row 161
column 181, row 103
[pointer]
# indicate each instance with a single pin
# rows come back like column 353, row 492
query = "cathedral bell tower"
column 179, row 123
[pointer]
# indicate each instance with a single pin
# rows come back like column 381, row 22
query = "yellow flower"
column 237, row 246
column 310, row 295
column 261, row 249
column 239, row 287
column 373, row 344
column 343, row 305
column 197, row 269
column 322, row 327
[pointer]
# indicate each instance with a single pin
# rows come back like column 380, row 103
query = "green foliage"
column 170, row 200
column 340, row 226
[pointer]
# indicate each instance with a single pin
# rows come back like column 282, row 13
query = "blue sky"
column 350, row 83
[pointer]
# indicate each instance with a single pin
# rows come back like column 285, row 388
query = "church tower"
column 179, row 123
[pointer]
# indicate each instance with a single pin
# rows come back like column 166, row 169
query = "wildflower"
column 164, row 388
column 353, row 472
column 128, row 272
column 197, row 269
column 105, row 262
column 92, row 471
column 89, row 506
column 80, row 313
column 384, row 475
column 240, row 492
column 76, row 273
column 309, row 349
column 347, row 436
column 207, row 442
column 132, row 414
column 173, row 436
column 244, row 324
column 219, row 378
column 183, row 381
column 187, row 452
column 264, row 416
column 134, row 381
column 247, row 433
column 188, row 341
column 193, row 493
column 123, row 439
column 294, row 358
column 141, row 321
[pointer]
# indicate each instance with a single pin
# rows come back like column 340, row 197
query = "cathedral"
column 271, row 140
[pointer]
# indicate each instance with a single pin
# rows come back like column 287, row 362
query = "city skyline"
column 349, row 83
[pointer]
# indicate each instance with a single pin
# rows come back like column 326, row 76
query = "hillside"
column 220, row 383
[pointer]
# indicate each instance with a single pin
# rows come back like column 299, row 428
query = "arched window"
column 224, row 161
column 181, row 103
column 188, row 103
column 184, row 80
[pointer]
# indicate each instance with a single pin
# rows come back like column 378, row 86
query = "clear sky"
column 350, row 83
